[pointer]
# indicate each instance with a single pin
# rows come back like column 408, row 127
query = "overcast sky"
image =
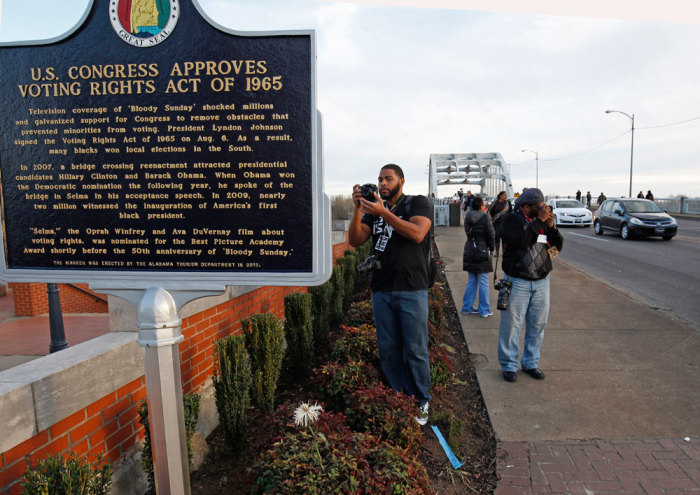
column 396, row 84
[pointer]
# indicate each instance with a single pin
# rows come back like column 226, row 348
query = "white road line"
column 588, row 237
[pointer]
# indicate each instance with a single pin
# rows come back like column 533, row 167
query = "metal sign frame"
column 321, row 251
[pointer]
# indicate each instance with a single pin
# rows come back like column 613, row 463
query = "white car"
column 570, row 212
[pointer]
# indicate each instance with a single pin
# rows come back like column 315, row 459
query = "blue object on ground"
column 448, row 451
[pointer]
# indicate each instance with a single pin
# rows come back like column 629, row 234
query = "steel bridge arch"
column 487, row 170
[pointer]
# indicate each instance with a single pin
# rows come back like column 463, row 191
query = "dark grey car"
column 634, row 217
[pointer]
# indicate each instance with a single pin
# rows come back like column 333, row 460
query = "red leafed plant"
column 380, row 411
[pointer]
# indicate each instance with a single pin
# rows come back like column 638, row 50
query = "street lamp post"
column 537, row 167
column 631, row 117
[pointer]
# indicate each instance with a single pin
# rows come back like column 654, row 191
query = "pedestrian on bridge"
column 476, row 259
column 497, row 211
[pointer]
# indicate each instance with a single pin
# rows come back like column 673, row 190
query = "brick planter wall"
column 32, row 299
column 110, row 424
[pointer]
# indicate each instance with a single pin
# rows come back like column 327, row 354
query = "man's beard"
column 387, row 195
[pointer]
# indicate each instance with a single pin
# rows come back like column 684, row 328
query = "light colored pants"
column 480, row 280
column 528, row 304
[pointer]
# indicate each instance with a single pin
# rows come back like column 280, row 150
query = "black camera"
column 368, row 191
column 503, row 287
column 369, row 265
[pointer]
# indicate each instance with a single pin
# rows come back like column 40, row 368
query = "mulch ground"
column 457, row 409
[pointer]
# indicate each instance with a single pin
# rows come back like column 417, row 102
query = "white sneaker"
column 422, row 418
column 490, row 313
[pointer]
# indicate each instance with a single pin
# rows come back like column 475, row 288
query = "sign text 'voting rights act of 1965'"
column 152, row 143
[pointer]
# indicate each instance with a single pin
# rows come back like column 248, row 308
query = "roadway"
column 662, row 274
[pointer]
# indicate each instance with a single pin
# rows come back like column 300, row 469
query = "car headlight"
column 636, row 221
column 673, row 221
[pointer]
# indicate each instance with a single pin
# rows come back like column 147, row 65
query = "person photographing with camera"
column 530, row 241
column 399, row 227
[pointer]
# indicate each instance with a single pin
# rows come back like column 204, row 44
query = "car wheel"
column 625, row 231
column 667, row 237
column 597, row 228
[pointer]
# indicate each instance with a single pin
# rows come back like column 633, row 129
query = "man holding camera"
column 399, row 227
column 531, row 240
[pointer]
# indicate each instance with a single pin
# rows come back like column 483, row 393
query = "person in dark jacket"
column 530, row 240
column 649, row 196
column 467, row 201
column 477, row 258
column 497, row 211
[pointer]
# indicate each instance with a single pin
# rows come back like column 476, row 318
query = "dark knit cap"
column 530, row 196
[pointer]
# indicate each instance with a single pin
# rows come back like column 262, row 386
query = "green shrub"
column 337, row 381
column 298, row 330
column 357, row 277
column 190, row 404
column 380, row 411
column 349, row 270
column 265, row 342
column 321, row 297
column 365, row 250
column 58, row 475
column 356, row 344
column 349, row 463
column 337, row 297
column 232, row 382
column 360, row 313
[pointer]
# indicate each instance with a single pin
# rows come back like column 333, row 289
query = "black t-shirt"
column 404, row 263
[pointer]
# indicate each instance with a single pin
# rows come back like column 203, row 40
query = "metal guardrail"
column 687, row 206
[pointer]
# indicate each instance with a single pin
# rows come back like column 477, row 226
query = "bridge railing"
column 687, row 206
column 690, row 206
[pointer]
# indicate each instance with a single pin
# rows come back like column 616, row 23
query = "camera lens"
column 368, row 191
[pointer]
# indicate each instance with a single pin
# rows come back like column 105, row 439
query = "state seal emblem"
column 144, row 23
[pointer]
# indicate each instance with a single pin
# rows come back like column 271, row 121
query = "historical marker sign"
column 152, row 143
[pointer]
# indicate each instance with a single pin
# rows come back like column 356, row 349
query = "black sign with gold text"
column 149, row 140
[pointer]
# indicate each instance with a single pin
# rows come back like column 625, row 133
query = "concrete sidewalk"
column 622, row 391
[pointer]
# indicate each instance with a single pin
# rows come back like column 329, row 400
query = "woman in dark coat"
column 477, row 259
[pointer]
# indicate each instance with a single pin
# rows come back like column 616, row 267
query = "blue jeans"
column 482, row 281
column 401, row 318
column 528, row 303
